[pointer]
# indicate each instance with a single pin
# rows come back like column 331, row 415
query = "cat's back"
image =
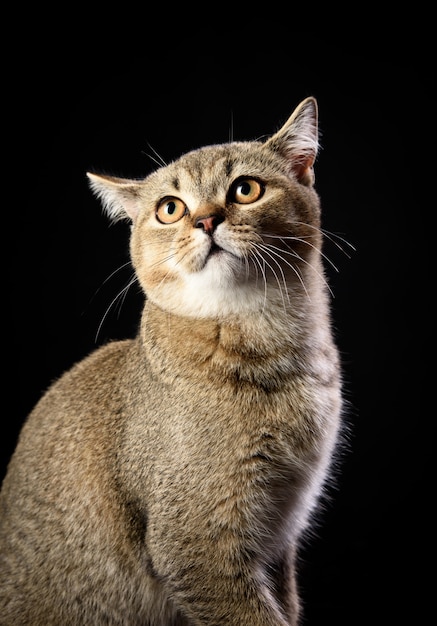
column 60, row 489
column 67, row 431
column 80, row 406
column 71, row 400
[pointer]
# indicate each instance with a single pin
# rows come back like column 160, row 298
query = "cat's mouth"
column 220, row 255
column 215, row 249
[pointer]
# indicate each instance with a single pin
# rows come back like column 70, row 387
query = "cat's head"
column 227, row 227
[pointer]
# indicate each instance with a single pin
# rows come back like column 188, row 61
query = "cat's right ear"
column 297, row 141
column 119, row 196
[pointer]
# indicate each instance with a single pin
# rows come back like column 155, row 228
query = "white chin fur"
column 220, row 289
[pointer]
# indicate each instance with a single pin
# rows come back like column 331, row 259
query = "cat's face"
column 222, row 228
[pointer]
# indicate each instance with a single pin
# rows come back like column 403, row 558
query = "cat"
column 169, row 479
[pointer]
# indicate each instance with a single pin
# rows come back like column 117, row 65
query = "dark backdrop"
column 105, row 110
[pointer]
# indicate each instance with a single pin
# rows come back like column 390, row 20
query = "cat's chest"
column 204, row 439
column 239, row 375
column 223, row 404
column 244, row 355
column 203, row 399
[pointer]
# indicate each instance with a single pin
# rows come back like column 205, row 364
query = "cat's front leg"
column 213, row 589
column 232, row 604
column 283, row 576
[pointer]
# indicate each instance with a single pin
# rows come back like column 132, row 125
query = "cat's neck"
column 254, row 347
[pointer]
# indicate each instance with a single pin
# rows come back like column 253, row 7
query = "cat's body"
column 168, row 479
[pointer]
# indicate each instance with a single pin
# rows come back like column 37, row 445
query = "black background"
column 87, row 100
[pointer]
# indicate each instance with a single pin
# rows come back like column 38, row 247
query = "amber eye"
column 170, row 210
column 246, row 191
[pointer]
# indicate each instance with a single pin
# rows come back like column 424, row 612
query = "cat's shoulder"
column 99, row 369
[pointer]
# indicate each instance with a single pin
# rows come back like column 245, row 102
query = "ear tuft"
column 297, row 141
column 119, row 196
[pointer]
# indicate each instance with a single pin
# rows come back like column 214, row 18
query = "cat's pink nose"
column 209, row 223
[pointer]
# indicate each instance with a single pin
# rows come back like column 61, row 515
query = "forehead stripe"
column 229, row 166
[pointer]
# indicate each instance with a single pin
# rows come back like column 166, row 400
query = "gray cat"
column 168, row 479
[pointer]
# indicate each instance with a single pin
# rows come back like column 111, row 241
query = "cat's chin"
column 221, row 288
column 225, row 263
column 215, row 250
column 206, row 302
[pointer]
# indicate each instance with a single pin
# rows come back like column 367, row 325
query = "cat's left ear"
column 298, row 141
column 119, row 196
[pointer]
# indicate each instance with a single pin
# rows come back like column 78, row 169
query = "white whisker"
column 255, row 258
column 157, row 158
column 247, row 267
column 293, row 253
column 284, row 281
column 295, row 269
column 170, row 256
column 164, row 260
column 303, row 240
column 111, row 275
column 332, row 237
column 120, row 296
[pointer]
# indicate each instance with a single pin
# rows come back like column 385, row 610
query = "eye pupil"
column 170, row 210
column 245, row 188
column 247, row 191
